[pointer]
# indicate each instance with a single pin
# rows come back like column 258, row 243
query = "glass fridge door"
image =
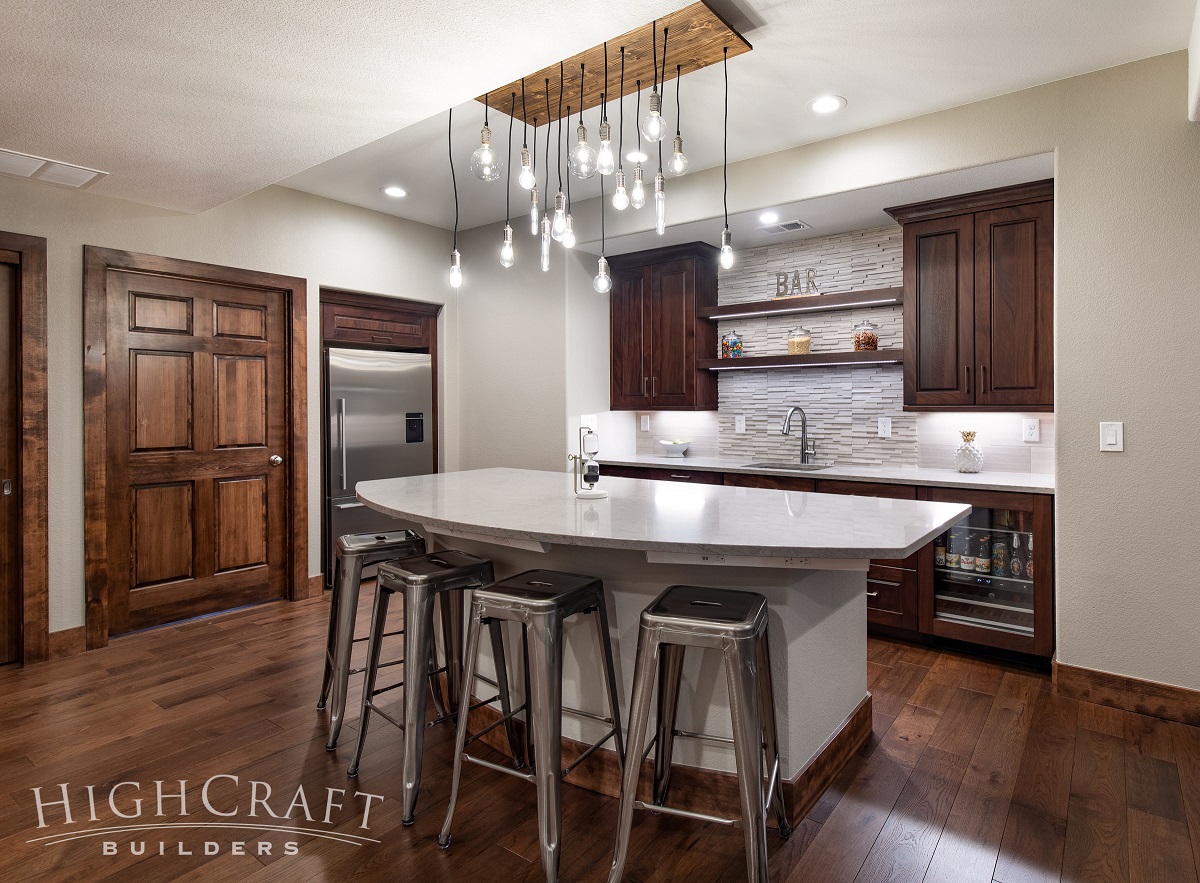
column 983, row 572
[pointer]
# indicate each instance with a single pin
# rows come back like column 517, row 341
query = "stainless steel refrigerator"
column 380, row 417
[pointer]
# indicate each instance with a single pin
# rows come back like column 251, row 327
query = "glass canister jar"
column 866, row 335
column 731, row 346
column 799, row 341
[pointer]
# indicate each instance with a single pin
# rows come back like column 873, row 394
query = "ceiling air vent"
column 783, row 227
column 37, row 168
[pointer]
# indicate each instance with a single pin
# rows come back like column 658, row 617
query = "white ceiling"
column 189, row 106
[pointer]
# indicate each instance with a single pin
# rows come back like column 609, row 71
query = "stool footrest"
column 383, row 690
column 500, row 720
column 703, row 737
column 579, row 712
column 586, row 754
column 508, row 771
column 684, row 813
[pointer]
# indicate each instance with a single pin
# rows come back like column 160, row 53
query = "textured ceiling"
column 187, row 106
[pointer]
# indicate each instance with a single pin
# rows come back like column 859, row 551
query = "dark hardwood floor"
column 975, row 772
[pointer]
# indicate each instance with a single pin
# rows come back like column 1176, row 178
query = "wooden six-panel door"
column 10, row 584
column 197, row 440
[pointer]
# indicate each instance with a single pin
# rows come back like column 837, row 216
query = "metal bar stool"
column 736, row 624
column 354, row 552
column 421, row 579
column 540, row 600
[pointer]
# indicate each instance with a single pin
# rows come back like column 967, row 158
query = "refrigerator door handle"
column 342, row 437
column 348, row 506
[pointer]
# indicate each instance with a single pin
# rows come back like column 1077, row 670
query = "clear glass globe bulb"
column 507, row 256
column 486, row 162
column 526, row 179
column 606, row 162
column 603, row 281
column 637, row 198
column 654, row 127
column 583, row 156
column 678, row 163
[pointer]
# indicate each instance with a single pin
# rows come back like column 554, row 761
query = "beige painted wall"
column 1128, row 232
column 274, row 230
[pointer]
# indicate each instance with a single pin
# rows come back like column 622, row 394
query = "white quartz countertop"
column 526, row 505
column 1021, row 482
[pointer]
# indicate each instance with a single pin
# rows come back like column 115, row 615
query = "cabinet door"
column 772, row 482
column 673, row 334
column 630, row 368
column 1014, row 310
column 688, row 475
column 939, row 312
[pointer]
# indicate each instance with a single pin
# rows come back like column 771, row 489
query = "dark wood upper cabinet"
column 978, row 300
column 657, row 336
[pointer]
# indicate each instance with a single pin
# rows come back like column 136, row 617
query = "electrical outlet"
column 1031, row 430
column 645, row 423
column 885, row 427
column 1112, row 436
column 739, row 423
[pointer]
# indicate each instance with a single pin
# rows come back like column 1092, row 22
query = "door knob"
column 275, row 460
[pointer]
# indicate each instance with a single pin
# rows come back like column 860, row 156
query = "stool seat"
column 354, row 551
column 701, row 605
column 568, row 593
column 436, row 569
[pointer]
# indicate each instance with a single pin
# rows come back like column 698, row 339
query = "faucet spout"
column 805, row 451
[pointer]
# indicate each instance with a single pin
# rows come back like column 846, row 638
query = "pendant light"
column 653, row 127
column 485, row 162
column 507, row 256
column 620, row 196
column 545, row 259
column 660, row 182
column 558, row 226
column 679, row 163
column 583, row 155
column 455, row 260
column 604, row 159
column 528, row 178
column 726, row 238
column 637, row 196
column 533, row 191
column 568, row 237
column 603, row 281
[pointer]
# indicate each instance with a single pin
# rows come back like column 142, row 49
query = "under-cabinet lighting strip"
column 806, row 365
column 889, row 301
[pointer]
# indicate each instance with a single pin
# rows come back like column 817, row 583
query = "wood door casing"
column 630, row 329
column 194, row 380
column 939, row 303
column 1014, row 289
column 672, row 334
column 11, row 618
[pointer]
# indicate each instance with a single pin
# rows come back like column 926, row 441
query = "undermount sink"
column 789, row 467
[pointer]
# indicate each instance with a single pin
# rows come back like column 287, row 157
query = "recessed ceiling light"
column 827, row 104
column 394, row 191
column 636, row 156
column 769, row 217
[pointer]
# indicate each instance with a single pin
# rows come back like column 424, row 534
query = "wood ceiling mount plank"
column 696, row 36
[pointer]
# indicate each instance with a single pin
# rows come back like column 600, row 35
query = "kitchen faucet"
column 807, row 449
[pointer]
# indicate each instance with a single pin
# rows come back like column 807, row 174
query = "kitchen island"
column 806, row 552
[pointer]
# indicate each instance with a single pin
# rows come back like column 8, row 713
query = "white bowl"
column 674, row 449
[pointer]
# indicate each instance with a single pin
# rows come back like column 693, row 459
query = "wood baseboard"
column 707, row 791
column 1129, row 694
column 312, row 588
column 69, row 642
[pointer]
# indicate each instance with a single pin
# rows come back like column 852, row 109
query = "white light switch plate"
column 1031, row 430
column 739, row 423
column 645, row 423
column 885, row 427
column 1112, row 436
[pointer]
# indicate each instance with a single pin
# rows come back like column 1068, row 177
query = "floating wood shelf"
column 857, row 359
column 696, row 36
column 790, row 306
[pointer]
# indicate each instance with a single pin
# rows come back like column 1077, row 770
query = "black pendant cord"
column 601, row 216
column 559, row 138
column 508, row 180
column 653, row 49
column 486, row 101
column 660, row 143
column 621, row 134
column 725, row 147
column 678, row 77
column 546, row 185
column 568, row 173
column 453, row 180
column 533, row 159
column 525, row 121
column 603, row 103
column 581, row 96
column 663, row 79
column 637, row 115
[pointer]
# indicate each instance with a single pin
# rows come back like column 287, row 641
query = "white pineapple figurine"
column 968, row 457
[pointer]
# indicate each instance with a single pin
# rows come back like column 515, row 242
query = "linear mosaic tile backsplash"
column 843, row 404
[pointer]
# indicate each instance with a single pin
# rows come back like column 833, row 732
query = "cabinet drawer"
column 341, row 323
column 866, row 489
column 687, row 475
column 624, row 471
column 772, row 482
column 892, row 596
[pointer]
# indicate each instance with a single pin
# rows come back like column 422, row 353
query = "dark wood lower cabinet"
column 927, row 597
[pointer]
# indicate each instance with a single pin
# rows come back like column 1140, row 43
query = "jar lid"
column 865, row 325
column 800, row 331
